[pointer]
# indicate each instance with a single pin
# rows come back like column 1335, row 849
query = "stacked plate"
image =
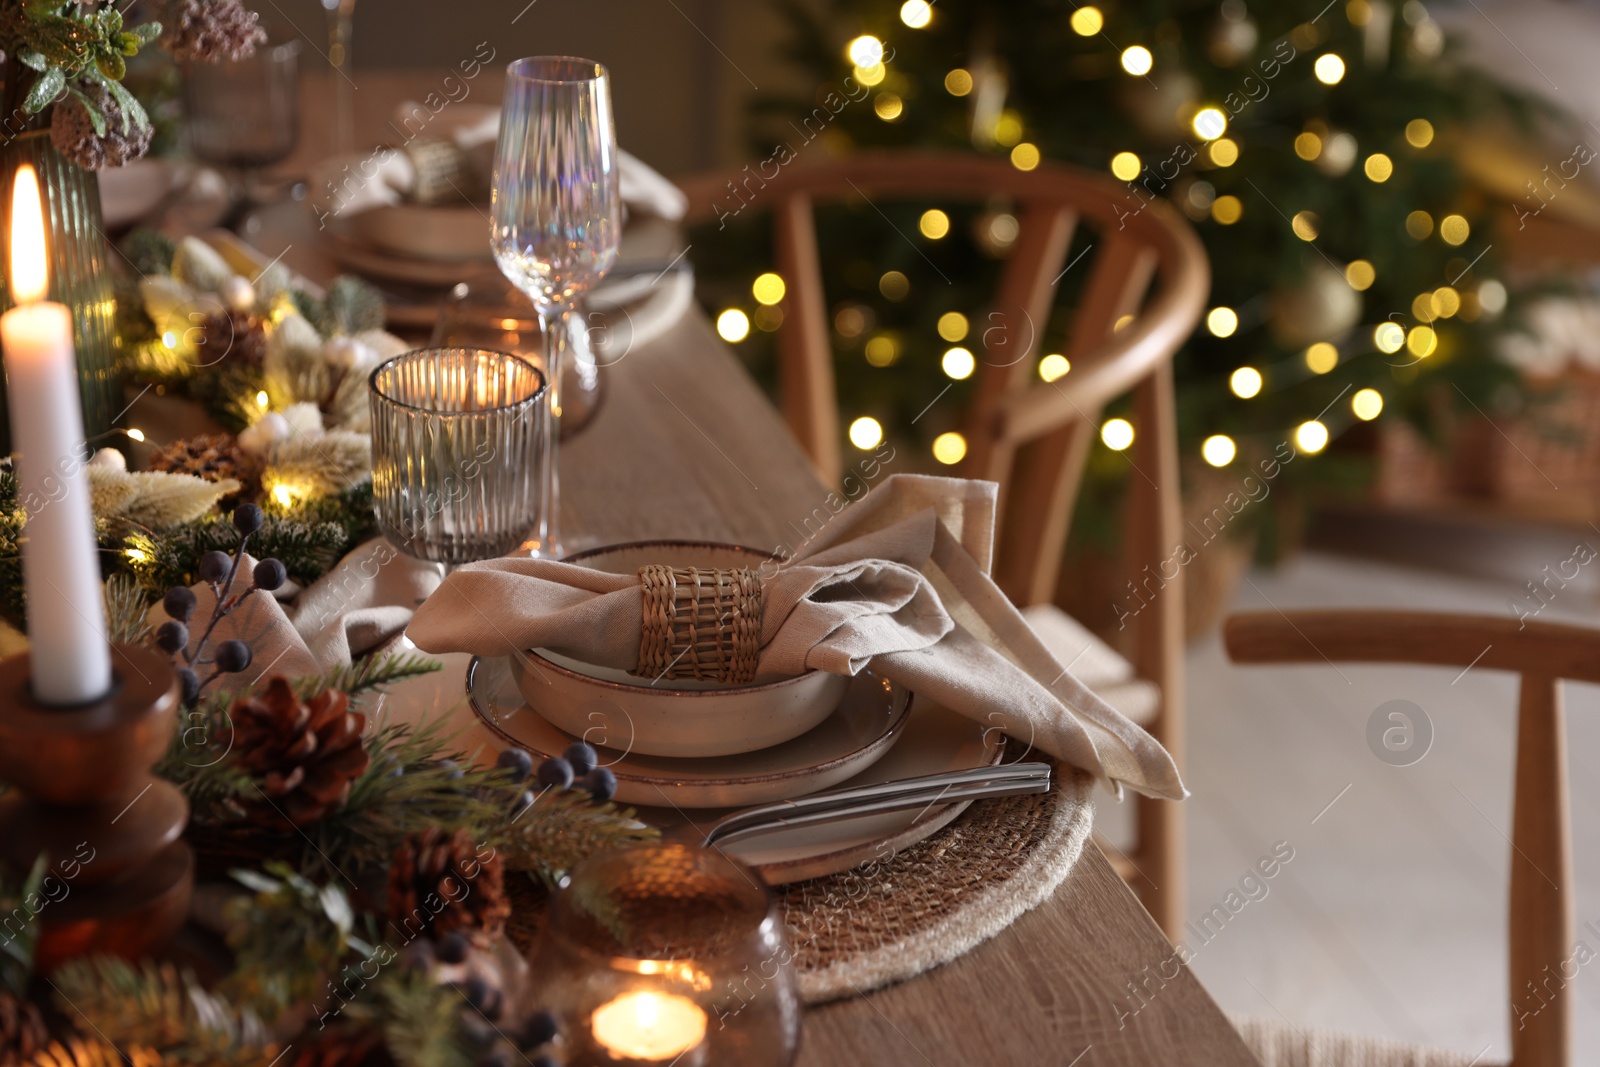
column 680, row 747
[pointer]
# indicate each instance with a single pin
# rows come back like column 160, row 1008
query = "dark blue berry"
column 214, row 566
column 582, row 756
column 172, row 636
column 247, row 519
column 540, row 1029
column 479, row 1032
column 517, row 761
column 232, row 656
column 189, row 682
column 522, row 804
column 417, row 956
column 555, row 772
column 601, row 784
column 452, row 948
column 452, row 769
column 502, row 1055
column 179, row 603
column 270, row 574
column 544, row 1060
column 481, row 994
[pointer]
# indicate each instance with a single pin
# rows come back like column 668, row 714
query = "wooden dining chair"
column 1541, row 920
column 1142, row 299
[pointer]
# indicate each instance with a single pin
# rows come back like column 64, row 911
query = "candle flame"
column 30, row 272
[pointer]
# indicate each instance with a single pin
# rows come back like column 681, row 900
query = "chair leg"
column 1160, row 878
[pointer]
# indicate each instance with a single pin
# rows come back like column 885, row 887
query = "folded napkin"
column 355, row 182
column 898, row 582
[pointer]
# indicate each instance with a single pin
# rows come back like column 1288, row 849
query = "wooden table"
column 686, row 445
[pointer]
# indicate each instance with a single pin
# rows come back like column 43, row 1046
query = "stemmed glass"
column 341, row 24
column 244, row 115
column 557, row 215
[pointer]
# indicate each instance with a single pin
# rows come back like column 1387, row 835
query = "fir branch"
column 127, row 604
column 420, row 1018
column 374, row 672
column 288, row 937
column 16, row 951
column 198, row 764
column 161, row 1010
column 561, row 829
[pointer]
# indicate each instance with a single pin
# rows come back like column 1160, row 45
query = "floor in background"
column 1391, row 916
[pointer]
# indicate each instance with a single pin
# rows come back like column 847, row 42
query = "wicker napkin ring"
column 700, row 623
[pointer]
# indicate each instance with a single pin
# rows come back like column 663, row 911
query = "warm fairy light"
column 1389, row 337
column 1245, row 382
column 1360, row 274
column 263, row 401
column 882, row 351
column 1126, row 165
column 1379, row 167
column 1329, row 69
column 1307, row 146
column 1210, row 123
column 1305, row 225
column 1117, row 434
column 137, row 434
column 1454, row 229
column 958, row 82
column 648, row 1026
column 1367, row 404
column 1227, row 209
column 1422, row 307
column 1492, row 297
column 894, row 285
column 1321, row 358
column 888, row 106
column 733, row 325
column 1311, row 436
column 866, row 432
column 934, row 224
column 865, row 51
column 1008, row 128
column 953, row 326
column 1419, row 224
column 1121, row 323
column 1137, row 60
column 1419, row 132
column 1086, row 21
column 1224, row 152
column 1025, row 156
column 1218, row 450
column 949, row 448
column 1446, row 302
column 283, row 494
column 959, row 364
column 30, row 268
column 870, row 75
column 138, row 555
column 1054, row 366
column 1421, row 341
column 768, row 288
column 916, row 13
column 1222, row 321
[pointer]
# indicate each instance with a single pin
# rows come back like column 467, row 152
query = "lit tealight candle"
column 649, row 1027
column 69, row 658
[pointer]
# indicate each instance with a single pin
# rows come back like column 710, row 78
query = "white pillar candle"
column 69, row 657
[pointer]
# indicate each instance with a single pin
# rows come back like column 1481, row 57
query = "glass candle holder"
column 668, row 954
column 456, row 438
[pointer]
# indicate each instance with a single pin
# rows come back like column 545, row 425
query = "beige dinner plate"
column 869, row 719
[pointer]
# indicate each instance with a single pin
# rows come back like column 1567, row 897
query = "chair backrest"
column 1030, row 436
column 1543, row 653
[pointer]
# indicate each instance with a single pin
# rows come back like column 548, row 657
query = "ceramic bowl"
column 672, row 717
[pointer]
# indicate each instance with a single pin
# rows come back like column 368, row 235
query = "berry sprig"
column 577, row 766
column 219, row 570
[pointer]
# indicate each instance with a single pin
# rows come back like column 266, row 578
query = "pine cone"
column 211, row 30
column 22, row 1032
column 304, row 756
column 72, row 131
column 438, row 883
column 214, row 457
column 233, row 337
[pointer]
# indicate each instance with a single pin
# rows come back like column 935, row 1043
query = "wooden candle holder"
column 120, row 876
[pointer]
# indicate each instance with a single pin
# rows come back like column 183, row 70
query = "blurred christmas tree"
column 1309, row 143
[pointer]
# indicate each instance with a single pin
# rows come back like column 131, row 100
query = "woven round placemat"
column 895, row 917
column 925, row 905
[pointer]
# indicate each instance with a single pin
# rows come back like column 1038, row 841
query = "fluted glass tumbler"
column 668, row 954
column 457, row 435
column 557, row 212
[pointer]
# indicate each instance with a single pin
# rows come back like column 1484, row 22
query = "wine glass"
column 243, row 115
column 341, row 26
column 557, row 214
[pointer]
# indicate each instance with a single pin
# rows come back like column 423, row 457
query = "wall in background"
column 682, row 69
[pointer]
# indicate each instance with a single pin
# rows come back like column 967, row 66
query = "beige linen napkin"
column 898, row 580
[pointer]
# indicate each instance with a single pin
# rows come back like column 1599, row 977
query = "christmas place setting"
column 827, row 532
